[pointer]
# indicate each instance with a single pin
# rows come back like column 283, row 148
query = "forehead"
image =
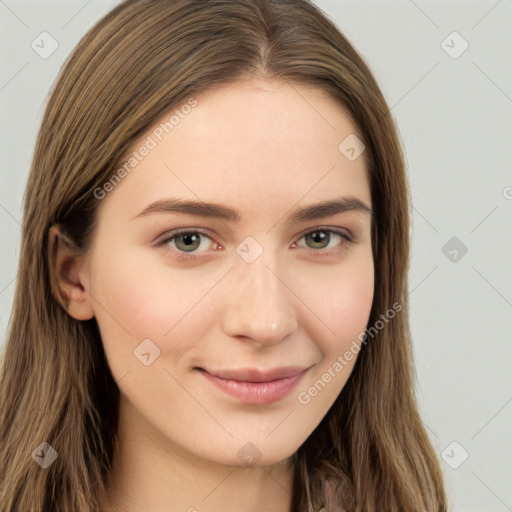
column 248, row 144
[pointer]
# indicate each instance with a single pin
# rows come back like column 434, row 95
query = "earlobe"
column 66, row 263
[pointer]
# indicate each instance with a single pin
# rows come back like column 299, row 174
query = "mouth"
column 253, row 386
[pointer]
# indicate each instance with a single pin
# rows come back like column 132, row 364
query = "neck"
column 151, row 473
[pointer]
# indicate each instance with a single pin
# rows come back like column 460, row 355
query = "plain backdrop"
column 445, row 68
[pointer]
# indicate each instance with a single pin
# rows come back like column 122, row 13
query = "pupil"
column 189, row 241
column 319, row 237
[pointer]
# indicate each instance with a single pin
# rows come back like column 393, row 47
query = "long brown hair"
column 142, row 59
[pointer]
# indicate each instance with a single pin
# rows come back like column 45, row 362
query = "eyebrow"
column 218, row 211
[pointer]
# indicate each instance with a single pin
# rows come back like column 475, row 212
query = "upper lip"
column 256, row 374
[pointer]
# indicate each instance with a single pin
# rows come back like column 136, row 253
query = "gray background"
column 454, row 112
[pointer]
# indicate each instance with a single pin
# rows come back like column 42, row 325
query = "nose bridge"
column 259, row 306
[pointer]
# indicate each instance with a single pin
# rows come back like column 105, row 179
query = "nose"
column 258, row 303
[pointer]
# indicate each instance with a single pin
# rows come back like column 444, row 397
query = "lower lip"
column 256, row 393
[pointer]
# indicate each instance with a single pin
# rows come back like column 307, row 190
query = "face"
column 227, row 333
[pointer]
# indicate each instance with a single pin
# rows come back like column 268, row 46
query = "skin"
column 265, row 148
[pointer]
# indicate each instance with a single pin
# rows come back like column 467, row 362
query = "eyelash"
column 181, row 255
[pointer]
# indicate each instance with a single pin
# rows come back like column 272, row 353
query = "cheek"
column 344, row 306
column 138, row 301
column 342, row 300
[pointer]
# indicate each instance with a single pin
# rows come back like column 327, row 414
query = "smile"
column 255, row 387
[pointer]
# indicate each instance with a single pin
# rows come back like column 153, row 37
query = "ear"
column 66, row 263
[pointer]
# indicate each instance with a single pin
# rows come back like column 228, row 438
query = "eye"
column 185, row 242
column 321, row 239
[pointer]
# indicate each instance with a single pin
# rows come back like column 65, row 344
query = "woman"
column 211, row 304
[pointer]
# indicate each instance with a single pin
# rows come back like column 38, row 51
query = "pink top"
column 329, row 497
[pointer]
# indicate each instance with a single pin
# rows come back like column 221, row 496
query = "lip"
column 254, row 386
